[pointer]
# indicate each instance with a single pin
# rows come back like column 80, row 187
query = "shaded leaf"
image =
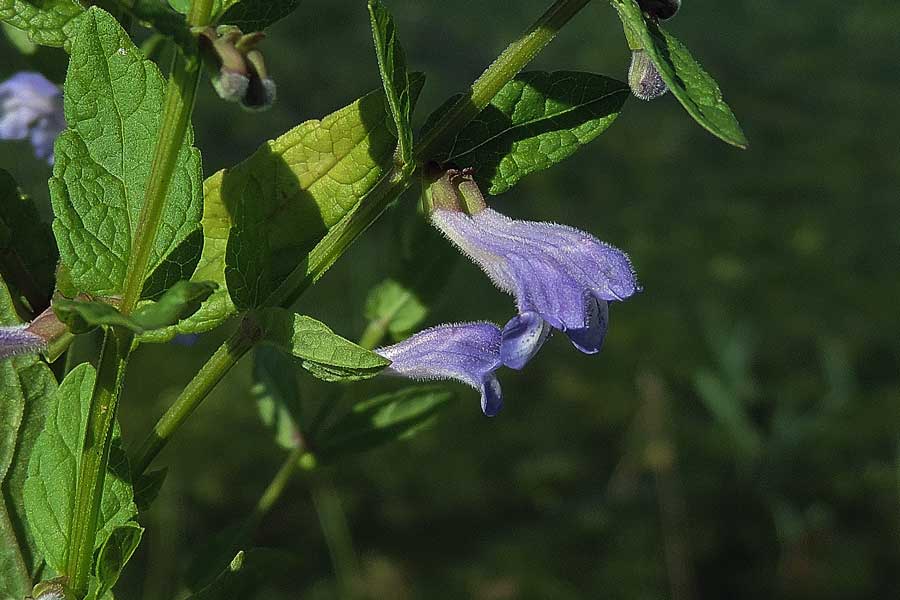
column 394, row 77
column 277, row 395
column 256, row 15
column 322, row 352
column 115, row 552
column 48, row 22
column 395, row 308
column 697, row 91
column 148, row 486
column 114, row 105
column 53, row 470
column 383, row 419
column 534, row 122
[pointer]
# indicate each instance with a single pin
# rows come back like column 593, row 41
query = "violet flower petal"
column 18, row 340
column 31, row 107
column 523, row 336
column 466, row 352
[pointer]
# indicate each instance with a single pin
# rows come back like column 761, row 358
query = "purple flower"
column 32, row 107
column 466, row 352
column 17, row 340
column 561, row 277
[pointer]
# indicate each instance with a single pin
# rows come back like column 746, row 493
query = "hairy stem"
column 340, row 237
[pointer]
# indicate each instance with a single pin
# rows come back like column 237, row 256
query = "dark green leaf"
column 695, row 88
column 320, row 351
column 537, row 120
column 383, row 419
column 27, row 250
column 47, row 22
column 392, row 66
column 284, row 198
column 114, row 106
column 113, row 555
column 53, row 470
column 148, row 486
column 26, row 394
column 277, row 395
column 256, row 15
column 180, row 301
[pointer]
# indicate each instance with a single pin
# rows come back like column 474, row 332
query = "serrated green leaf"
column 320, row 351
column 285, row 197
column 256, row 15
column 48, row 22
column 27, row 250
column 112, row 558
column 53, row 470
column 695, row 89
column 394, row 77
column 395, row 308
column 536, row 121
column 180, row 301
column 26, row 390
column 277, row 395
column 114, row 106
column 383, row 419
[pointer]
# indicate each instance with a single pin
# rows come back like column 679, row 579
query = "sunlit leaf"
column 392, row 66
column 47, row 22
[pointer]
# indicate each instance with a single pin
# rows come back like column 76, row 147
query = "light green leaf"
column 256, row 15
column 180, row 301
column 26, row 391
column 322, row 352
column 392, row 66
column 114, row 105
column 115, row 552
column 53, row 469
column 697, row 91
column 277, row 395
column 19, row 39
column 182, row 6
column 395, row 308
column 383, row 419
column 285, row 197
column 27, row 250
column 536, row 120
column 47, row 22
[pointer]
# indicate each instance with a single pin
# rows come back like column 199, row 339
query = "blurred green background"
column 739, row 435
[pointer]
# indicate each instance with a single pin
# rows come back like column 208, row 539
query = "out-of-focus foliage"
column 738, row 434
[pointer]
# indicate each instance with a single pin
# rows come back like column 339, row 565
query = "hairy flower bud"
column 660, row 9
column 261, row 92
column 643, row 77
column 228, row 69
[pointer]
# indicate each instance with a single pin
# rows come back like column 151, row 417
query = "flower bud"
column 660, row 9
column 229, row 73
column 643, row 77
column 261, row 91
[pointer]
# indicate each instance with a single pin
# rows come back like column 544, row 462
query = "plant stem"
column 190, row 398
column 340, row 237
column 180, row 95
column 502, row 71
column 276, row 487
column 94, row 459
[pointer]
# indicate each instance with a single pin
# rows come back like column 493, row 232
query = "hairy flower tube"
column 18, row 340
column 31, row 107
column 562, row 278
column 466, row 352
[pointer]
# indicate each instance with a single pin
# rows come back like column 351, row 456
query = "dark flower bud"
column 261, row 91
column 660, row 9
column 644, row 79
column 228, row 69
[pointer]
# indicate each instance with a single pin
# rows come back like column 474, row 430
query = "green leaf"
column 322, row 352
column 148, row 486
column 182, row 6
column 285, row 197
column 53, row 470
column 277, row 395
column 27, row 250
column 19, row 39
column 114, row 106
column 695, row 88
column 383, row 419
column 536, row 120
column 180, row 301
column 256, row 15
column 26, row 392
column 392, row 66
column 115, row 552
column 47, row 22
column 395, row 308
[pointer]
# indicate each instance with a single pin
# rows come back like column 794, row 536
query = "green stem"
column 180, row 96
column 190, row 398
column 502, row 71
column 278, row 484
column 336, row 531
column 340, row 237
column 94, row 459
